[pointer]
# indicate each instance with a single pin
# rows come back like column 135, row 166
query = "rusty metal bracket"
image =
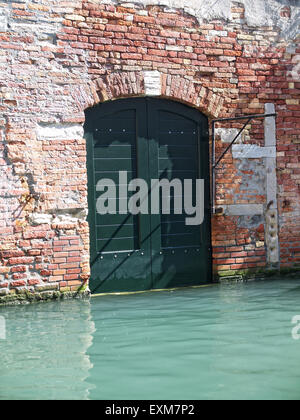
column 215, row 163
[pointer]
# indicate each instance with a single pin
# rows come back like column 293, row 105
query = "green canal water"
column 221, row 342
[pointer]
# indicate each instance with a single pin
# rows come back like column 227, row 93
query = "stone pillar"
column 272, row 240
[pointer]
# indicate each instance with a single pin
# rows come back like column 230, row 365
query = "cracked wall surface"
column 257, row 13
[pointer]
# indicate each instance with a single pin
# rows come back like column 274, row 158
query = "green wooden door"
column 148, row 139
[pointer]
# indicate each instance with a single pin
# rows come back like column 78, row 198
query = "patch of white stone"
column 3, row 23
column 60, row 131
column 65, row 216
column 258, row 13
column 244, row 210
column 227, row 135
column 152, row 81
column 252, row 151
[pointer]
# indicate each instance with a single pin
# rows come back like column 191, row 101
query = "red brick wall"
column 59, row 58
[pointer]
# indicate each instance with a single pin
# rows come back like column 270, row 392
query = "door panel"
column 150, row 139
column 120, row 243
column 179, row 138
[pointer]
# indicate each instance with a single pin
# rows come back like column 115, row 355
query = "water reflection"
column 45, row 355
column 224, row 342
column 221, row 342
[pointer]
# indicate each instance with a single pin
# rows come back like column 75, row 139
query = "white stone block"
column 252, row 151
column 3, row 23
column 227, row 134
column 152, row 80
column 244, row 210
column 60, row 132
column 40, row 219
column 270, row 126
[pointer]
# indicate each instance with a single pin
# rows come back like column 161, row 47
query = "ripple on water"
column 223, row 342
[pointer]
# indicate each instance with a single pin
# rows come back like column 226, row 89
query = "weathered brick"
column 100, row 52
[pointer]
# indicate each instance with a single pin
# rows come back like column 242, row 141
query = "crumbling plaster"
column 257, row 12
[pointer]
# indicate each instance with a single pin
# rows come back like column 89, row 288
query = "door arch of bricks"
column 138, row 84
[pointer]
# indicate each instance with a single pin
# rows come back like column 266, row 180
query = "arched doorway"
column 152, row 140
